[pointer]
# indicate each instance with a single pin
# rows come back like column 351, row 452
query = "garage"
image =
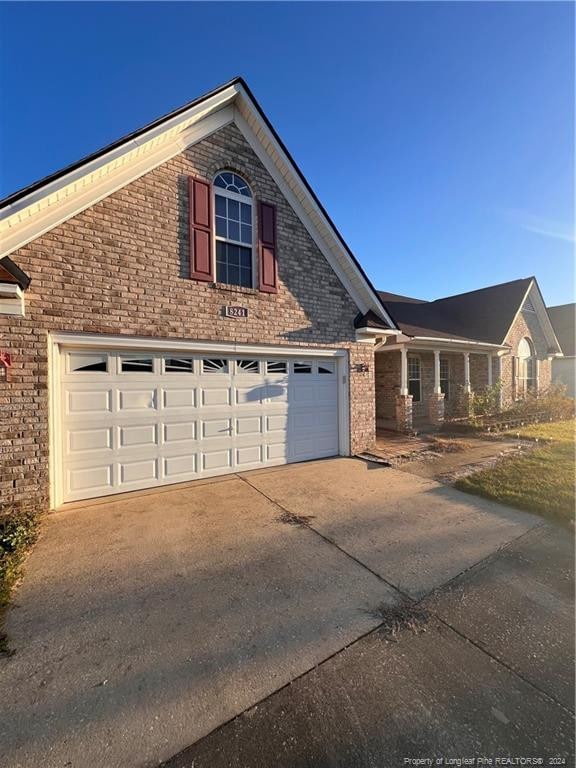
column 129, row 419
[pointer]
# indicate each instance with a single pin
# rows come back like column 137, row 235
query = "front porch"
column 420, row 385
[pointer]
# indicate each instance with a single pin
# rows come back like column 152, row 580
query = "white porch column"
column 403, row 371
column 466, row 371
column 489, row 369
column 437, row 387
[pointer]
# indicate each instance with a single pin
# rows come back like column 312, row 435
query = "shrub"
column 18, row 531
column 552, row 403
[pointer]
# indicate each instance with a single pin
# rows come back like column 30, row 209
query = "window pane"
column 276, row 366
column 136, row 365
column 245, row 255
column 214, row 365
column 233, row 275
column 246, row 234
column 414, row 390
column 245, row 277
column 84, row 362
column 178, row 364
column 233, row 255
column 234, row 210
column 220, row 205
column 413, row 368
column 228, row 178
column 326, row 368
column 302, row 368
column 221, row 227
column 246, row 213
column 233, row 230
column 247, row 366
column 221, row 272
column 233, row 264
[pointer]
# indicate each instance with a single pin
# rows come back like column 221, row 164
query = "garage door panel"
column 250, row 395
column 80, row 441
column 179, row 398
column 214, row 460
column 137, row 471
column 249, row 455
column 96, row 478
column 217, row 428
column 138, row 436
column 137, row 400
column 277, row 422
column 248, row 425
column 178, row 466
column 90, row 401
column 179, row 431
column 127, row 429
column 216, row 396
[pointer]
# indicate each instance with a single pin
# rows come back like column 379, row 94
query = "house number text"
column 236, row 311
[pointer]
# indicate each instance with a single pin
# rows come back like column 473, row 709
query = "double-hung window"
column 414, row 379
column 526, row 367
column 445, row 378
column 234, row 221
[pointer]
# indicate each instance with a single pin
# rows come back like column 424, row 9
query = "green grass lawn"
column 540, row 481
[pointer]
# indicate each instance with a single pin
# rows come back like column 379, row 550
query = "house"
column 563, row 318
column 451, row 347
column 175, row 306
column 179, row 305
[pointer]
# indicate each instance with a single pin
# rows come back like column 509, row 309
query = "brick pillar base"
column 465, row 405
column 436, row 408
column 404, row 413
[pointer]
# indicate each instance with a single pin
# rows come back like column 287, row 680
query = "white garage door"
column 134, row 420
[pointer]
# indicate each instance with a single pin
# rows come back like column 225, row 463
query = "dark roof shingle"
column 563, row 319
column 484, row 315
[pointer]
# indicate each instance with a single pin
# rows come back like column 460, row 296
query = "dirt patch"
column 451, row 465
column 291, row 519
column 446, row 445
column 397, row 618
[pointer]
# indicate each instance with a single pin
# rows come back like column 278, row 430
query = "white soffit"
column 59, row 200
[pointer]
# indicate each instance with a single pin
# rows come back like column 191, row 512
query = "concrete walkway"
column 145, row 623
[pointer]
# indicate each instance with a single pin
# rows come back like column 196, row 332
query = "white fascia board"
column 284, row 174
column 101, row 341
column 541, row 314
column 45, row 209
column 428, row 344
column 11, row 300
column 10, row 290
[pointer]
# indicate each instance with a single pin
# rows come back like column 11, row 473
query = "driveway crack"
column 304, row 522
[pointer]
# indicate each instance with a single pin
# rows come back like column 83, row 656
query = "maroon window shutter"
column 268, row 278
column 200, row 222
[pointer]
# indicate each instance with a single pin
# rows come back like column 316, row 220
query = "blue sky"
column 439, row 136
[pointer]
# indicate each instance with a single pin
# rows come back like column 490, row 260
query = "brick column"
column 404, row 413
column 436, row 408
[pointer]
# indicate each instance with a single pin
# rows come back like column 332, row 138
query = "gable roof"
column 41, row 206
column 563, row 319
column 484, row 315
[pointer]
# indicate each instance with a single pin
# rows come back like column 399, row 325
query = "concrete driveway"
column 144, row 623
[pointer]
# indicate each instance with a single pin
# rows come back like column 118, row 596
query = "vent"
column 528, row 306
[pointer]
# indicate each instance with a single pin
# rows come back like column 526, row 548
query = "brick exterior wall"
column 121, row 267
column 387, row 366
column 526, row 325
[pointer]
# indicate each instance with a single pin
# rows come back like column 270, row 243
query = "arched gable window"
column 526, row 366
column 234, row 228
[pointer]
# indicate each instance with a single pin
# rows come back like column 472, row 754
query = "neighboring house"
column 456, row 345
column 563, row 318
column 175, row 306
